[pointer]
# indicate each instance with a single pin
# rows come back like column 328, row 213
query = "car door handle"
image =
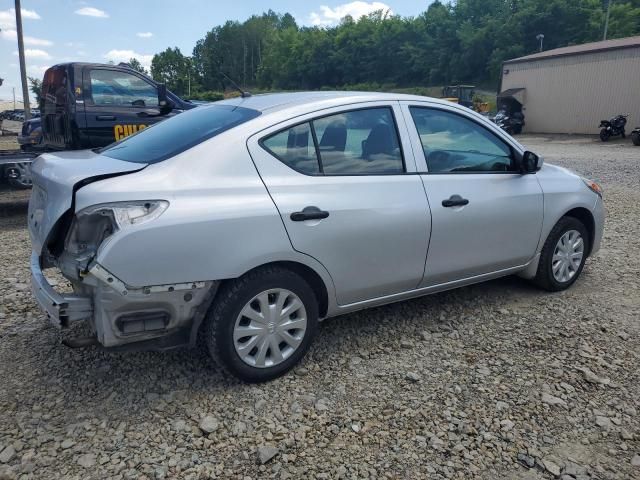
column 105, row 118
column 309, row 213
column 455, row 201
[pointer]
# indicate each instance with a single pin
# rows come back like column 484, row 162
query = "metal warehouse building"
column 570, row 89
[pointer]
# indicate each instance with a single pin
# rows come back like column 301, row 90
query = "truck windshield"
column 177, row 134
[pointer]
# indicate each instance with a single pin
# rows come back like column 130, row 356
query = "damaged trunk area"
column 121, row 316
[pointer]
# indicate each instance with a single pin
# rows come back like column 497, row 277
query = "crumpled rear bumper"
column 61, row 309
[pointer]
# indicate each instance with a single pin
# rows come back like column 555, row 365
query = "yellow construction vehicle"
column 464, row 95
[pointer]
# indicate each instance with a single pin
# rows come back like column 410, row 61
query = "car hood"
column 56, row 177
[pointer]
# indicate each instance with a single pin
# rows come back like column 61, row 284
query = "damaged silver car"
column 244, row 222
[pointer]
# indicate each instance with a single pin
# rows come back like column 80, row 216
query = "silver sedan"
column 245, row 222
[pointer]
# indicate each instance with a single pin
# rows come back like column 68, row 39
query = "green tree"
column 136, row 65
column 457, row 41
column 35, row 85
column 171, row 68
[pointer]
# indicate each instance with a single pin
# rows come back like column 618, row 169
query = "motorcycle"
column 512, row 124
column 613, row 127
column 635, row 136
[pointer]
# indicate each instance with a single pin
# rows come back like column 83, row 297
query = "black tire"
column 19, row 185
column 23, row 181
column 517, row 130
column 624, row 135
column 544, row 277
column 233, row 296
column 635, row 138
column 604, row 135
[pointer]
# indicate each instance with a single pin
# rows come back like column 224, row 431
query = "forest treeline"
column 463, row 41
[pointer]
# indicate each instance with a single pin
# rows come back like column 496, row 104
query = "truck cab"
column 89, row 105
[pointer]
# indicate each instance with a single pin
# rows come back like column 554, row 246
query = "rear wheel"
column 604, row 135
column 563, row 255
column 262, row 324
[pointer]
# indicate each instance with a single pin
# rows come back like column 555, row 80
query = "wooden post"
column 23, row 68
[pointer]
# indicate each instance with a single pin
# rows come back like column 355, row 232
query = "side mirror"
column 164, row 103
column 530, row 162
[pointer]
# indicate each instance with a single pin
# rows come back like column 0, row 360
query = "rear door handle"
column 105, row 118
column 455, row 201
column 309, row 213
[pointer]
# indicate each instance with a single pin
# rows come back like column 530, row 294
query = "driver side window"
column 453, row 143
column 116, row 88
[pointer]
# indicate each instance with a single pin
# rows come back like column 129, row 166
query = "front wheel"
column 262, row 324
column 604, row 135
column 563, row 255
column 635, row 138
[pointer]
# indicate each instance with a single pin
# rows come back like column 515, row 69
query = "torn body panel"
column 121, row 315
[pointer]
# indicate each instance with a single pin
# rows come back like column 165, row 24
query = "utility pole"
column 606, row 22
column 23, row 68
column 188, row 62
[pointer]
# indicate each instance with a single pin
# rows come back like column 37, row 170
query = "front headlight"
column 593, row 186
column 94, row 224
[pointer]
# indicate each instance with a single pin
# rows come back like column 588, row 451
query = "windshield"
column 177, row 134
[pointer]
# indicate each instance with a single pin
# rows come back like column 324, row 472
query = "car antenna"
column 243, row 93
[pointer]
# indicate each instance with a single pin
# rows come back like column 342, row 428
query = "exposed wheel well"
column 587, row 220
column 311, row 277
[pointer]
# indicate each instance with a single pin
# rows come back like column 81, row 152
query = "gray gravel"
column 493, row 381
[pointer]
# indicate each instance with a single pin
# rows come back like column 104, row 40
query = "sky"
column 58, row 31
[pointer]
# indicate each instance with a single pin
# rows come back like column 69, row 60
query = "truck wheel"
column 604, row 135
column 262, row 324
column 635, row 138
column 19, row 176
column 563, row 255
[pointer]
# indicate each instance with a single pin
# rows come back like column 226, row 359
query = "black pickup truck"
column 89, row 105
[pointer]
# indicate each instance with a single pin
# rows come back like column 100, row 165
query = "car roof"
column 272, row 102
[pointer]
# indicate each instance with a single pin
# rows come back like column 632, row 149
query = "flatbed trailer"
column 17, row 156
column 15, row 167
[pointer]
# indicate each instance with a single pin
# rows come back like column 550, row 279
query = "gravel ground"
column 493, row 381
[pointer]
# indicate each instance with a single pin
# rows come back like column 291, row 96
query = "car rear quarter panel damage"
column 220, row 223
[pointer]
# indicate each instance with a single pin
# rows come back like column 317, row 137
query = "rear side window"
column 358, row 142
column 179, row 133
column 295, row 148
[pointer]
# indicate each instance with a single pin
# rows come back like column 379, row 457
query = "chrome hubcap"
column 567, row 256
column 269, row 328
